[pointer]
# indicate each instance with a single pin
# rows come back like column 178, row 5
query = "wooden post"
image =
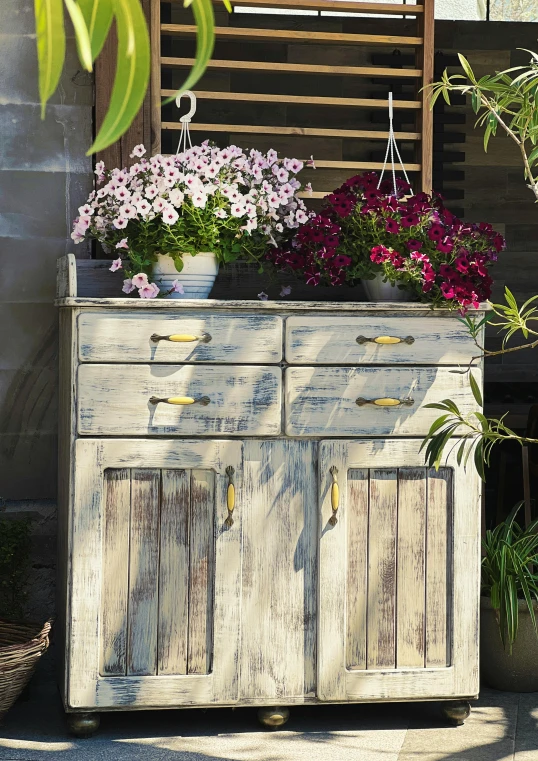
column 426, row 22
column 155, row 85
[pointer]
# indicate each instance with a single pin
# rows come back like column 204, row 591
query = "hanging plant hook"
column 184, row 136
column 391, row 148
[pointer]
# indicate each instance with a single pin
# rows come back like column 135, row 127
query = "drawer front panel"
column 116, row 400
column 400, row 340
column 322, row 401
column 127, row 337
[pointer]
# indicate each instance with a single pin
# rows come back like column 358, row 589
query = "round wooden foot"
column 456, row 711
column 274, row 716
column 83, row 724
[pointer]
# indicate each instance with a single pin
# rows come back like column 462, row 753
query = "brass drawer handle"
column 183, row 338
column 385, row 401
column 335, row 495
column 183, row 400
column 385, row 340
column 230, row 495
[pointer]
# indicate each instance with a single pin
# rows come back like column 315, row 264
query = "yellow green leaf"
column 132, row 73
column 205, row 42
column 81, row 34
column 50, row 35
column 98, row 15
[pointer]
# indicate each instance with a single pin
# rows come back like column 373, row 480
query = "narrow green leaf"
column 132, row 73
column 227, row 4
column 475, row 101
column 50, row 34
column 205, row 42
column 475, row 389
column 467, row 68
column 98, row 15
column 82, row 35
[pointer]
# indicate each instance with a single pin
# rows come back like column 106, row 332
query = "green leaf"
column 132, row 73
column 82, row 35
column 475, row 101
column 50, row 34
column 227, row 4
column 98, row 15
column 205, row 42
column 466, row 68
column 178, row 263
column 475, row 389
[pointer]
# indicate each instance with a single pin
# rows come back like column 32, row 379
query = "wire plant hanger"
column 392, row 147
column 185, row 141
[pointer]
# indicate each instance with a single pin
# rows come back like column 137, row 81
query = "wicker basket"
column 21, row 646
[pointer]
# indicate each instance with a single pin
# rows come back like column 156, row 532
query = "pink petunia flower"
column 116, row 265
column 138, row 151
column 140, row 280
column 285, row 291
column 148, row 291
column 128, row 286
column 120, row 223
column 177, row 287
column 263, row 296
column 122, row 244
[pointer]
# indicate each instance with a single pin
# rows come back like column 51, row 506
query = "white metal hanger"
column 392, row 147
column 184, row 136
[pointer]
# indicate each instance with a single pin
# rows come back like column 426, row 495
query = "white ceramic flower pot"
column 197, row 276
column 377, row 290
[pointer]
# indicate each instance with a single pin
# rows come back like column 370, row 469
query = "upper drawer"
column 128, row 400
column 377, row 341
column 217, row 337
column 341, row 401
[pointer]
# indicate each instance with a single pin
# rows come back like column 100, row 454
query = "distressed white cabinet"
column 246, row 517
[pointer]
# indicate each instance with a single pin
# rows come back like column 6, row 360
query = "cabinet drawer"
column 400, row 340
column 118, row 400
column 322, row 401
column 120, row 337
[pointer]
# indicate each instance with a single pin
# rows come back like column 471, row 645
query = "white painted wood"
column 438, row 567
column 114, row 400
column 278, row 643
column 66, row 277
column 410, row 574
column 321, row 401
column 459, row 541
column 201, row 571
column 174, row 572
column 358, row 499
column 86, row 689
column 115, row 595
column 143, row 607
column 331, row 340
column 126, row 337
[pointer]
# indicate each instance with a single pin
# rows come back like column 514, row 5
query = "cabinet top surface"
column 262, row 306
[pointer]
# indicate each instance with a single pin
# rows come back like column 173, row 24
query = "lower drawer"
column 340, row 401
column 193, row 400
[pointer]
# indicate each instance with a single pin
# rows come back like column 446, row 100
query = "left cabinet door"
column 154, row 574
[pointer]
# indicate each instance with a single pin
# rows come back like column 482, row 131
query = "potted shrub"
column 508, row 629
column 401, row 246
column 171, row 220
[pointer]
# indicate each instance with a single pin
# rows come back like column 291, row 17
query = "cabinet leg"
column 456, row 711
column 83, row 724
column 274, row 716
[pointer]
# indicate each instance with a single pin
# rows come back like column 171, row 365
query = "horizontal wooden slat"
column 303, row 131
column 299, row 68
column 305, row 100
column 290, row 35
column 332, row 5
column 360, row 165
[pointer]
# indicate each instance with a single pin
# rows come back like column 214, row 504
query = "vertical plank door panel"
column 143, row 572
column 410, row 607
column 382, row 569
column 174, row 572
column 357, row 568
column 201, row 579
column 437, row 566
column 115, row 585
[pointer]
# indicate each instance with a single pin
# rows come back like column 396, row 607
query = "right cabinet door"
column 399, row 573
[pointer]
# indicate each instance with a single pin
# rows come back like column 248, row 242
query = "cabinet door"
column 154, row 575
column 399, row 574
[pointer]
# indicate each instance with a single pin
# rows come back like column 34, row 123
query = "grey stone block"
column 28, row 400
column 18, row 17
column 57, row 144
column 28, row 466
column 29, row 336
column 19, row 76
column 40, row 204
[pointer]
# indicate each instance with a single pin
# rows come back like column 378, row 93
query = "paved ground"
column 502, row 727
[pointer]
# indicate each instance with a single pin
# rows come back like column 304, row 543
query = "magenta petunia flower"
column 436, row 232
column 392, row 226
column 445, row 245
column 410, row 220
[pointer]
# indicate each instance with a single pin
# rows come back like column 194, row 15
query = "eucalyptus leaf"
column 82, row 35
column 50, row 36
column 205, row 42
column 98, row 15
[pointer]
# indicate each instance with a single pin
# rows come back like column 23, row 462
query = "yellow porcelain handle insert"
column 182, row 400
column 384, row 340
column 184, row 338
column 385, row 401
column 335, row 495
column 230, row 495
